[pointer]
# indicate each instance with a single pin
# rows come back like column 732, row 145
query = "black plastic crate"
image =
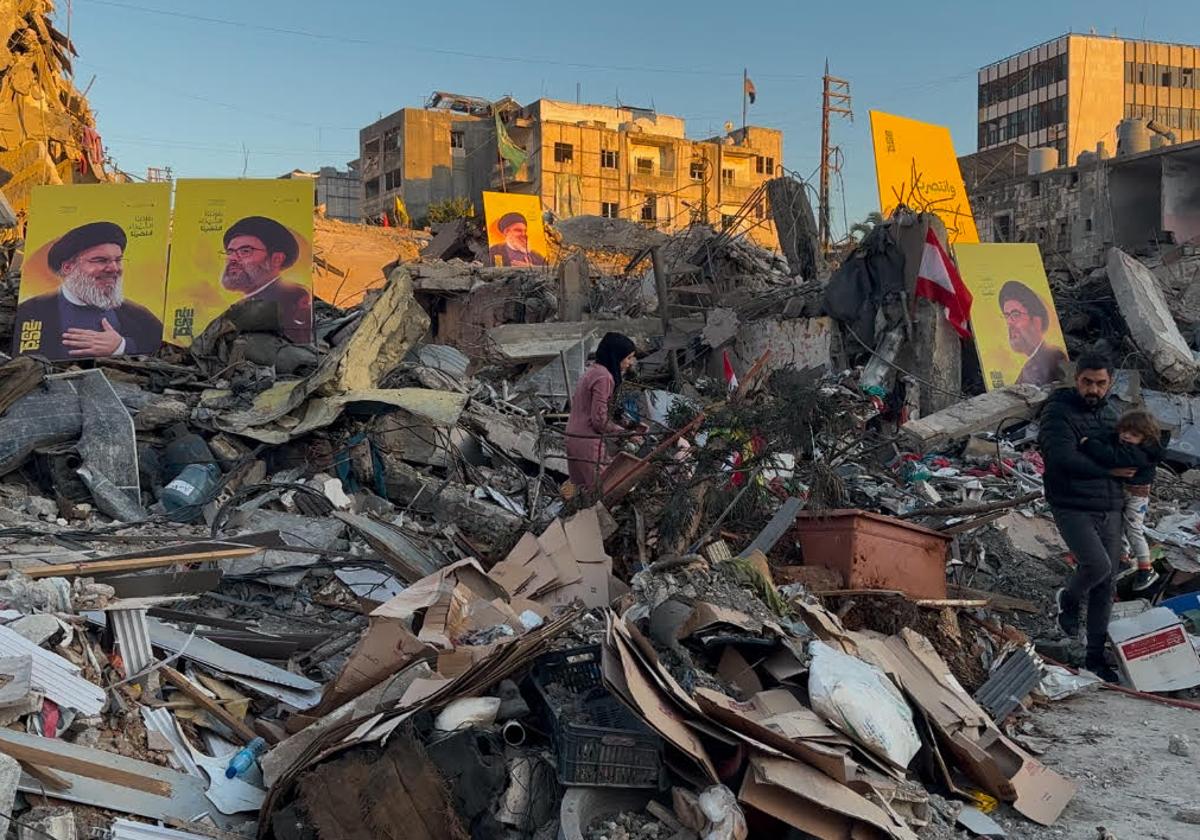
column 613, row 748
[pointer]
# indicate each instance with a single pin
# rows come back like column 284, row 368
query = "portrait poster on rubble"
column 516, row 236
column 915, row 166
column 94, row 273
column 240, row 241
column 1017, row 334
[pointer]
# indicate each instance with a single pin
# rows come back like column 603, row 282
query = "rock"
column 1179, row 745
column 41, row 507
column 1191, row 816
column 41, row 822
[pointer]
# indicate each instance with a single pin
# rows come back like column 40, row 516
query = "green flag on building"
column 509, row 150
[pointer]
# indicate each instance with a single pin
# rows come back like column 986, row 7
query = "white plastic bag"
column 860, row 700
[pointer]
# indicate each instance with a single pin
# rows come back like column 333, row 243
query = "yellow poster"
column 235, row 241
column 94, row 273
column 516, row 235
column 1016, row 328
column 915, row 166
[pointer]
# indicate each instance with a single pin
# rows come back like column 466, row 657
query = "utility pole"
column 835, row 100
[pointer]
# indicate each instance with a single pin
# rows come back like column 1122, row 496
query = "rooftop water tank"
column 1086, row 158
column 1133, row 137
column 1042, row 160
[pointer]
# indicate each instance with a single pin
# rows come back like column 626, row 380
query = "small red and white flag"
column 940, row 281
column 730, row 377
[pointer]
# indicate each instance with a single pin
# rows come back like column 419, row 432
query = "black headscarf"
column 613, row 348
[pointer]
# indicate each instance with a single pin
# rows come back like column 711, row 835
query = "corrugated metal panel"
column 164, row 723
column 442, row 357
column 54, row 676
column 123, row 829
column 133, row 637
column 222, row 658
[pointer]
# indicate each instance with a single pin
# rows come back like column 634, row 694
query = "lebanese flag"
column 731, row 379
column 940, row 281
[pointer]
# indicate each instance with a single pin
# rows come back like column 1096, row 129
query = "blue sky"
column 258, row 87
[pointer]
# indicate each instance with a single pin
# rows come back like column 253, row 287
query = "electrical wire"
column 391, row 46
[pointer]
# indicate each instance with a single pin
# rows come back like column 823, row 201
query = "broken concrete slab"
column 800, row 343
column 978, row 414
column 10, row 776
column 1150, row 322
column 538, row 342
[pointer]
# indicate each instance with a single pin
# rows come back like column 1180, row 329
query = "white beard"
column 82, row 287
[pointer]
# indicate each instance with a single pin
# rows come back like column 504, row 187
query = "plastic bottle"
column 184, row 447
column 183, row 496
column 244, row 759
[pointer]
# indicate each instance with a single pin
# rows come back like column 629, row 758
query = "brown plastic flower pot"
column 875, row 552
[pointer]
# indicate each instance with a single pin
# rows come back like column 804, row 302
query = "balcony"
column 502, row 178
column 656, row 181
column 737, row 192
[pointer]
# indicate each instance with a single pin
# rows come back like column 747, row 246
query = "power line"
column 345, row 39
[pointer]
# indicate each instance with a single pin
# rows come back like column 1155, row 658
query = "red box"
column 871, row 551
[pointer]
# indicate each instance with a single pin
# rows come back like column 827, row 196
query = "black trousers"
column 1095, row 540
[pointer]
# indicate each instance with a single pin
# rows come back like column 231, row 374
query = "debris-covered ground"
column 255, row 588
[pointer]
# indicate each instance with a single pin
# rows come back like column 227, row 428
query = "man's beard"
column 245, row 279
column 92, row 293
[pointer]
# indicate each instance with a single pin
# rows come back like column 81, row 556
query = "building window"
column 764, row 165
column 1035, row 188
column 457, row 140
column 564, row 153
column 727, row 177
column 696, row 171
column 758, row 210
column 608, row 209
column 393, row 180
column 608, row 158
column 1166, row 77
column 727, row 221
column 1087, row 225
column 643, row 166
column 650, row 209
column 391, row 139
column 1074, row 178
column 1002, row 228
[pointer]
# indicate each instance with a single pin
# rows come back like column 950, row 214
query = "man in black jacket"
column 1086, row 500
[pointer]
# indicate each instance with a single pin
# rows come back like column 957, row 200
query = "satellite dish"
column 728, row 125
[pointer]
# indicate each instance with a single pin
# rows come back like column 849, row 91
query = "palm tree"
column 859, row 230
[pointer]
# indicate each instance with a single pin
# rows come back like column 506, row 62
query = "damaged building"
column 1144, row 200
column 617, row 162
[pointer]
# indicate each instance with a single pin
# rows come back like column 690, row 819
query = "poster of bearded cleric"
column 1016, row 329
column 94, row 271
column 235, row 242
column 516, row 236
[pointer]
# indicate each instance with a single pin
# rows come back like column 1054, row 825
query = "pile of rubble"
column 259, row 589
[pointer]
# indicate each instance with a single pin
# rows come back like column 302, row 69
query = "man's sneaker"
column 1128, row 567
column 1068, row 628
column 1144, row 579
column 1103, row 671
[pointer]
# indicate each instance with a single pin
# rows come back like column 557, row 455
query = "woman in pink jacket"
column 591, row 410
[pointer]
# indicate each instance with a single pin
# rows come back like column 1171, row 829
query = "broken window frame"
column 609, row 210
column 649, row 210
column 609, row 158
column 696, row 171
column 564, row 152
column 643, row 165
column 728, row 177
column 458, row 140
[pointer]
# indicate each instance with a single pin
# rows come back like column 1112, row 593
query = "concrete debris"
column 810, row 592
column 1150, row 321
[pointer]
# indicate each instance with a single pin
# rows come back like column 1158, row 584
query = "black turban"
column 82, row 238
column 274, row 236
column 510, row 219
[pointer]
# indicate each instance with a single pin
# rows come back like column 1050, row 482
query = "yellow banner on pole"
column 915, row 166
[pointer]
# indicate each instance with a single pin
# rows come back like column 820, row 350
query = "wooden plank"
column 194, row 693
column 49, row 778
column 47, row 757
column 89, row 568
